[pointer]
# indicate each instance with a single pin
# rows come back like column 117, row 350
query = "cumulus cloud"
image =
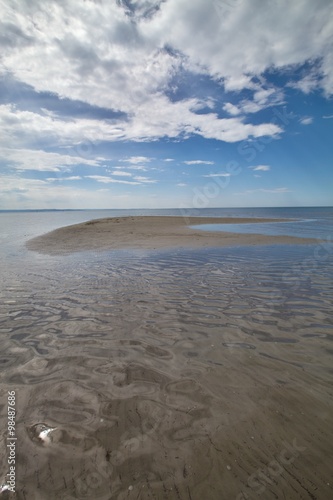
column 122, row 56
column 126, row 60
column 21, row 128
column 262, row 98
column 258, row 36
column 231, row 109
column 161, row 119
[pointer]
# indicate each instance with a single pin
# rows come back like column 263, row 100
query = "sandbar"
column 152, row 232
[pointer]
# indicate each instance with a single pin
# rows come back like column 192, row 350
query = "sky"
column 165, row 103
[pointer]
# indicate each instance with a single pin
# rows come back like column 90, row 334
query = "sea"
column 119, row 359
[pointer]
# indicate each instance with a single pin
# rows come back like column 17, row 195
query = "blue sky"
column 166, row 103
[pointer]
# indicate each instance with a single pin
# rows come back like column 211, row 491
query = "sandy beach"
column 151, row 232
column 198, row 372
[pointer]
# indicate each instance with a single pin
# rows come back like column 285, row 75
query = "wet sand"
column 152, row 232
column 187, row 376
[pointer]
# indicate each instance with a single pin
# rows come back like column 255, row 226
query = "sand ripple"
column 170, row 375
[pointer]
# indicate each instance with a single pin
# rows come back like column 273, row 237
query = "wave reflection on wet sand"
column 170, row 375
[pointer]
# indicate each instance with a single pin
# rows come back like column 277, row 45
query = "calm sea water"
column 305, row 223
column 120, row 359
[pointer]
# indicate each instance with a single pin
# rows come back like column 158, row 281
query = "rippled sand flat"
column 175, row 374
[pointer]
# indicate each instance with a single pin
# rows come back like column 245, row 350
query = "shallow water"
column 152, row 374
column 304, row 223
column 301, row 229
column 169, row 374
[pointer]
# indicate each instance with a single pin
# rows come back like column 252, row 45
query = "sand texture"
column 149, row 233
column 188, row 375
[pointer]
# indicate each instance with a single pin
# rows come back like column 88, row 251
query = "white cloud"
column 139, row 167
column 132, row 167
column 137, row 180
column 108, row 180
column 277, row 190
column 19, row 184
column 231, row 109
column 280, row 190
column 263, row 168
column 307, row 84
column 258, row 36
column 198, row 162
column 121, row 58
column 222, row 174
column 262, row 98
column 20, row 193
column 164, row 119
column 60, row 179
column 238, row 82
column 29, row 159
column 181, row 184
column 17, row 192
column 201, row 104
column 144, row 180
column 126, row 56
column 121, row 173
column 137, row 159
column 161, row 119
column 307, row 120
column 20, row 128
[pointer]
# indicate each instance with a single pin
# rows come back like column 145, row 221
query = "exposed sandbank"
column 151, row 232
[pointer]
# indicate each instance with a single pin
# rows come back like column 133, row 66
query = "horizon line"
column 162, row 208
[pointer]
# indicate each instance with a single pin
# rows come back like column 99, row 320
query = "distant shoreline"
column 152, row 232
column 293, row 207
